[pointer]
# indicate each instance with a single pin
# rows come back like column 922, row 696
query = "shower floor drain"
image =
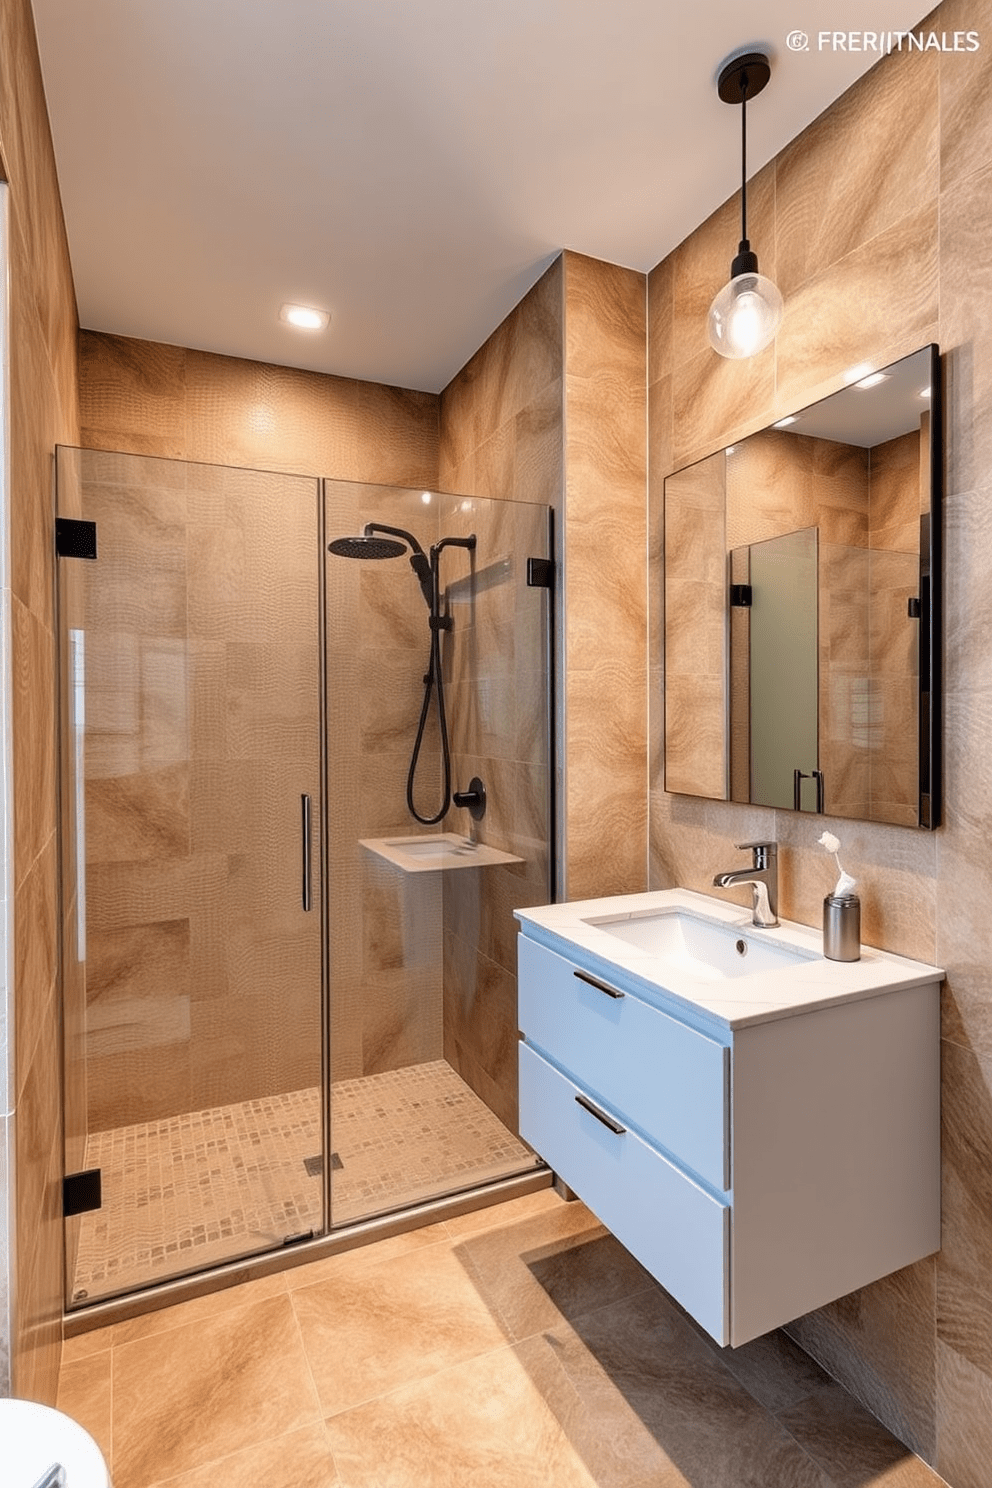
column 315, row 1165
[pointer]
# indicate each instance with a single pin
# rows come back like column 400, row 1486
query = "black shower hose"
column 434, row 680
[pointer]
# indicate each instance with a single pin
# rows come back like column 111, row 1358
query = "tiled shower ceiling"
column 410, row 167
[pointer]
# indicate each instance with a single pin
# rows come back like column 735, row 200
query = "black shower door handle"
column 307, row 838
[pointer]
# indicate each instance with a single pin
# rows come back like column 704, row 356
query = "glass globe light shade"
column 744, row 316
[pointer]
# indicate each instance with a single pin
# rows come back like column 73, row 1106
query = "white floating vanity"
column 759, row 1126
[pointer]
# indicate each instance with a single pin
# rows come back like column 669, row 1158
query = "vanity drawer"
column 673, row 1227
column 663, row 1076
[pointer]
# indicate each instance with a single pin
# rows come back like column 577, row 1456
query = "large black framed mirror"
column 802, row 607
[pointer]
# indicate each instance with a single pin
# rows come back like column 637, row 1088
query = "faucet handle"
column 764, row 852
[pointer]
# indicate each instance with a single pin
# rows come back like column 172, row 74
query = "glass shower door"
column 191, row 770
column 422, row 944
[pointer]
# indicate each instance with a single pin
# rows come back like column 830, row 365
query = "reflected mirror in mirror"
column 802, row 607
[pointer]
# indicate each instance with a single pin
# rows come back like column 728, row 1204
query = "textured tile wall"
column 553, row 409
column 847, row 217
column 501, row 438
column 139, row 397
column 43, row 411
column 604, row 539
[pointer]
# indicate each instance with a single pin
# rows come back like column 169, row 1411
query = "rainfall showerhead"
column 369, row 545
column 366, row 546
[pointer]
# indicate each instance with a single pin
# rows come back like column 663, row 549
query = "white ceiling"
column 410, row 165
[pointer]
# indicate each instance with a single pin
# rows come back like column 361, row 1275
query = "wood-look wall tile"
column 857, row 169
column 605, row 320
column 138, row 818
column 495, row 463
column 879, row 1343
column 538, row 464
column 965, row 130
column 33, row 716
column 711, row 397
column 660, row 434
column 34, row 430
column 132, row 395
column 398, row 433
column 661, row 318
column 43, row 413
column 36, row 209
column 966, row 283
column 850, row 1445
column 271, row 418
column 964, row 1414
column 875, row 304
column 39, row 1167
column 35, row 952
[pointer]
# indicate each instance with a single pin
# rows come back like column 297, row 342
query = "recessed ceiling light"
column 784, row 423
column 853, row 374
column 305, row 317
column 873, row 380
column 924, row 392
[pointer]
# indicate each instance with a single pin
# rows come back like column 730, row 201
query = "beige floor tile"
column 363, row 1257
column 198, row 1309
column 85, row 1395
column 302, row 1459
column 370, row 1331
column 498, row 1215
column 656, row 1388
column 851, row 1445
column 86, row 1344
column 206, row 1390
column 774, row 1370
column 558, row 1262
column 484, row 1422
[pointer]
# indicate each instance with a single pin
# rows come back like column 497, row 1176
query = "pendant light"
column 746, row 313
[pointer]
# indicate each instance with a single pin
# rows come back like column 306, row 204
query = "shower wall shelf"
column 431, row 853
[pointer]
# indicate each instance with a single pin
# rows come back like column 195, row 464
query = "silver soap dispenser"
column 842, row 927
column 841, row 912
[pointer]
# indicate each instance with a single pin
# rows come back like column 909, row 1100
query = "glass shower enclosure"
column 289, row 1000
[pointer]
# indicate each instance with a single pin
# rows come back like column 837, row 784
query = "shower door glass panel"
column 192, row 970
column 422, row 939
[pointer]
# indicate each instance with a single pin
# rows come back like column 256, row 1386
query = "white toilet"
column 34, row 1439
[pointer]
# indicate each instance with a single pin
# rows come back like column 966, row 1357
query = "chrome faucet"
column 763, row 878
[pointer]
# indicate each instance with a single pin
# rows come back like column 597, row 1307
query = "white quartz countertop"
column 734, row 1002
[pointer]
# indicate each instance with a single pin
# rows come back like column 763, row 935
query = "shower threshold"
column 207, row 1188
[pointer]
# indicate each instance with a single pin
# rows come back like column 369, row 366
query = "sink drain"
column 742, row 948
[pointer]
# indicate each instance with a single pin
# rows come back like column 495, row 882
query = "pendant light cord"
column 743, row 159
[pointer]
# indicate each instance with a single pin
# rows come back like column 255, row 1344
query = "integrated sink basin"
column 698, row 947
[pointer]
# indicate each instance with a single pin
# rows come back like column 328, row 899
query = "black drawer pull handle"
column 614, row 1126
column 600, row 986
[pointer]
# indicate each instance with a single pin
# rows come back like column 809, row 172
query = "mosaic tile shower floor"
column 208, row 1186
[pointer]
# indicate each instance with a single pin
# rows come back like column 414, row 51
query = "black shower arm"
column 455, row 542
column 407, row 537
